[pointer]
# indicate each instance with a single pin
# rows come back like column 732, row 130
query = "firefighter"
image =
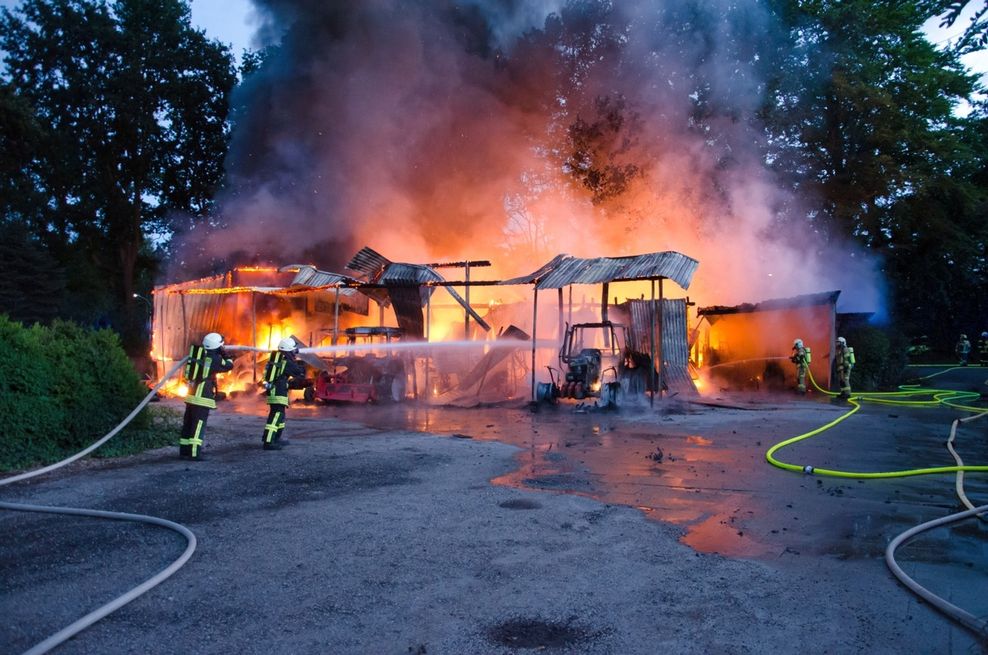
column 963, row 350
column 801, row 358
column 845, row 362
column 983, row 349
column 206, row 360
column 281, row 366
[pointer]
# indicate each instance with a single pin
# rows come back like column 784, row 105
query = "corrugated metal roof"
column 369, row 262
column 412, row 274
column 565, row 270
column 381, row 270
column 310, row 276
column 807, row 300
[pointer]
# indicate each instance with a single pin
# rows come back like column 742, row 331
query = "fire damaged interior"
column 382, row 334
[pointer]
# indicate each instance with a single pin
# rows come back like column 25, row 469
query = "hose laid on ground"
column 979, row 626
column 939, row 397
column 965, row 618
column 78, row 626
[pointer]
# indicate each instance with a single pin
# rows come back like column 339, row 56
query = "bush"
column 63, row 387
column 881, row 358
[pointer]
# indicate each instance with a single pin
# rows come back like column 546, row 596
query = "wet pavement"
column 701, row 466
column 378, row 531
column 704, row 468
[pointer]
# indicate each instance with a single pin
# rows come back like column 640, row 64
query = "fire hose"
column 78, row 626
column 937, row 397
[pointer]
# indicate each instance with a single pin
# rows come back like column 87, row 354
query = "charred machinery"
column 589, row 360
column 363, row 377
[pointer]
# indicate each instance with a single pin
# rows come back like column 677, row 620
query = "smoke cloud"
column 514, row 131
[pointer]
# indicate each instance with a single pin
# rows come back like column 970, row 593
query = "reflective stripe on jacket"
column 203, row 393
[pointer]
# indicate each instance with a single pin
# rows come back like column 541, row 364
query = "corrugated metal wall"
column 670, row 339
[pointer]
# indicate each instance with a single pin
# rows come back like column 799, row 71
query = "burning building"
column 258, row 306
column 253, row 306
column 748, row 345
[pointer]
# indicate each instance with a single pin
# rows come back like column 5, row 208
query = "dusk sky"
column 233, row 22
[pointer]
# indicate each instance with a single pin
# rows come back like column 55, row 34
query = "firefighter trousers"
column 193, row 428
column 275, row 425
column 844, row 379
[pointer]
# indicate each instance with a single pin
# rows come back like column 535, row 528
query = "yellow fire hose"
column 936, row 397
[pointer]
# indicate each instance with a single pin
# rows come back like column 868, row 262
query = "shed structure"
column 565, row 271
column 748, row 345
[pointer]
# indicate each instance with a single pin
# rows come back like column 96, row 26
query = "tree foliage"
column 863, row 118
column 128, row 106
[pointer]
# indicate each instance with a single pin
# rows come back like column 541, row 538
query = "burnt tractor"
column 363, row 377
column 589, row 359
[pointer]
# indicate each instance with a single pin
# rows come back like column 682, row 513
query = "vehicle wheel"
column 611, row 395
column 545, row 392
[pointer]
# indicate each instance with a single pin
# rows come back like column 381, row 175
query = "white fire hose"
column 962, row 616
column 69, row 631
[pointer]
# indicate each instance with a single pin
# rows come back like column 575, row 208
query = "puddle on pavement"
column 716, row 487
column 667, row 476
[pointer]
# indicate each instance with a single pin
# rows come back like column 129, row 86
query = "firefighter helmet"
column 287, row 345
column 963, row 336
column 842, row 341
column 984, row 335
column 212, row 341
column 798, row 343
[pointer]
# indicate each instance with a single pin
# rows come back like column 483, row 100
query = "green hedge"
column 881, row 358
column 62, row 387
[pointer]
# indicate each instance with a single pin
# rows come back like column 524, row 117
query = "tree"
column 32, row 285
column 862, row 117
column 132, row 102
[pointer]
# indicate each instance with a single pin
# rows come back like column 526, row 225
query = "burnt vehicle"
column 363, row 377
column 589, row 361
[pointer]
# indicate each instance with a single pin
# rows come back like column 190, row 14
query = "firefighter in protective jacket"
column 205, row 361
column 801, row 358
column 983, row 349
column 963, row 350
column 280, row 367
column 844, row 359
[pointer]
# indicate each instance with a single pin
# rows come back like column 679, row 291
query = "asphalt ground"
column 407, row 529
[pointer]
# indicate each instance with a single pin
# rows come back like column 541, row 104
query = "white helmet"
column 287, row 345
column 984, row 335
column 842, row 341
column 212, row 341
column 963, row 336
column 798, row 343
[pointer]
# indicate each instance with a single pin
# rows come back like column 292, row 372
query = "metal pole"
column 658, row 343
column 651, row 349
column 336, row 317
column 535, row 323
column 562, row 328
column 428, row 354
column 570, row 307
column 185, row 323
column 336, row 325
column 253, row 331
column 466, row 296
